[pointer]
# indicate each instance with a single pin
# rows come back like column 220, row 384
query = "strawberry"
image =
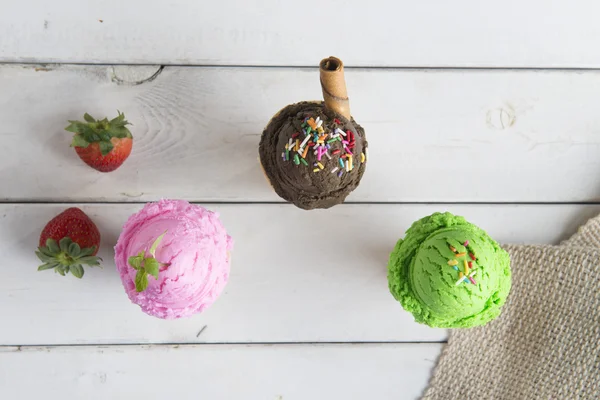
column 102, row 144
column 69, row 240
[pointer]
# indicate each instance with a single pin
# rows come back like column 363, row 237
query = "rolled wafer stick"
column 333, row 85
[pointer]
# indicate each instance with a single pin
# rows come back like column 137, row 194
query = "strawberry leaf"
column 73, row 127
column 60, row 270
column 45, row 250
column 151, row 266
column 74, row 250
column 52, row 246
column 77, row 271
column 92, row 261
column 46, row 266
column 105, row 147
column 64, row 244
column 44, row 257
column 87, row 251
column 141, row 281
column 101, row 131
column 156, row 243
column 79, row 141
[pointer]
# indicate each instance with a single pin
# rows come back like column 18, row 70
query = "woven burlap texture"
column 546, row 343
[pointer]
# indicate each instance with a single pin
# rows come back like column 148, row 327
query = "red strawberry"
column 103, row 145
column 69, row 240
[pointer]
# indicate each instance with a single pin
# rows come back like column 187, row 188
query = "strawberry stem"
column 66, row 256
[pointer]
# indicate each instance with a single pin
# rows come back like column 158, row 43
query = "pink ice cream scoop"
column 193, row 257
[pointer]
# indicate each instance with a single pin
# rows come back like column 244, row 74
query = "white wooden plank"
column 536, row 33
column 290, row 372
column 436, row 136
column 275, row 294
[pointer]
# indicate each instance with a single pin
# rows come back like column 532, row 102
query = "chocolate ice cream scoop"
column 314, row 153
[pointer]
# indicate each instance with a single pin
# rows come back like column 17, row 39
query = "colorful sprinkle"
column 306, row 139
column 455, row 268
column 452, row 262
column 452, row 249
column 470, row 264
column 472, row 256
column 466, row 266
column 466, row 243
column 322, row 137
column 461, row 254
column 337, row 121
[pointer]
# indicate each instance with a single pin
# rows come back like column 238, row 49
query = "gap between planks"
column 12, row 347
column 382, row 203
column 54, row 63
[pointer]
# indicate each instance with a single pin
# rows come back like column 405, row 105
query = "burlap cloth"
column 546, row 343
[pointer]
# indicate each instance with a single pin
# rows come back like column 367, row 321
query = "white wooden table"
column 482, row 110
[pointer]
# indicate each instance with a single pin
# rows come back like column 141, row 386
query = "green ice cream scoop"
column 449, row 273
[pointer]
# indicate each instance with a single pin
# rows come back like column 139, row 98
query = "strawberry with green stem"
column 69, row 241
column 146, row 265
column 102, row 144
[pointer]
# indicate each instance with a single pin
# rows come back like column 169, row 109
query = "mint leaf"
column 79, row 141
column 88, row 117
column 141, row 281
column 151, row 266
column 52, row 246
column 77, row 270
column 135, row 262
column 105, row 147
column 156, row 243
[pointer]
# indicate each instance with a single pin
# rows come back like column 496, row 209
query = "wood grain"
column 290, row 372
column 434, row 136
column 335, row 291
column 461, row 33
